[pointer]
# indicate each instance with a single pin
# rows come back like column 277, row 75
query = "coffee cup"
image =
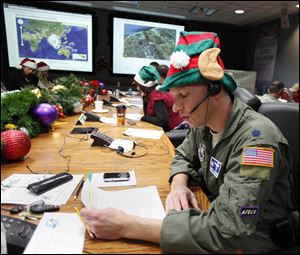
column 121, row 113
column 98, row 105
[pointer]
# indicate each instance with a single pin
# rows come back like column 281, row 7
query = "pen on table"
column 79, row 188
column 84, row 223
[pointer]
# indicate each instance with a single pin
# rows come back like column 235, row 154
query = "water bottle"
column 3, row 239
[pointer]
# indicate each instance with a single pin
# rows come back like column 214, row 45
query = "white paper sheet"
column 144, row 133
column 108, row 120
column 57, row 233
column 97, row 181
column 144, row 202
column 16, row 191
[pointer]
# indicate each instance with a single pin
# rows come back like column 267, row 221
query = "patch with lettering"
column 215, row 166
column 258, row 156
column 250, row 211
column 201, row 152
column 255, row 133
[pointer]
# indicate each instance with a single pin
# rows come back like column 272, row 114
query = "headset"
column 214, row 88
column 132, row 154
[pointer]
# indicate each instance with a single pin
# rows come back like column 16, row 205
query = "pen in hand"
column 84, row 223
column 79, row 189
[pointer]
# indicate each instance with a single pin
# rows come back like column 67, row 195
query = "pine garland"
column 16, row 108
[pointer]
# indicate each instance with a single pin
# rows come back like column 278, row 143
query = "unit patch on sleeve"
column 258, row 156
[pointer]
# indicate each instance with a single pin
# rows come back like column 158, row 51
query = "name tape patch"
column 249, row 211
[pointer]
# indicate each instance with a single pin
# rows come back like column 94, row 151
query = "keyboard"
column 18, row 233
column 101, row 139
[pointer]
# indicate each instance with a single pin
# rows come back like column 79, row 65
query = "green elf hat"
column 195, row 59
column 147, row 76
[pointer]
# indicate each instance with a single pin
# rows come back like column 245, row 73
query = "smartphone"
column 116, row 177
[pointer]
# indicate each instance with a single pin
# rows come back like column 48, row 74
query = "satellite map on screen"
column 51, row 40
column 148, row 42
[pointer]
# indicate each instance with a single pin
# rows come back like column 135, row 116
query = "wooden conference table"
column 151, row 169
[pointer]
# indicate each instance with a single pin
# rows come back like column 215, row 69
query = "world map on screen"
column 51, row 40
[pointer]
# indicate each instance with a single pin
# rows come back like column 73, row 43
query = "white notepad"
column 57, row 233
column 144, row 202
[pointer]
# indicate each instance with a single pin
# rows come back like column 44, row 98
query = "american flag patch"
column 258, row 156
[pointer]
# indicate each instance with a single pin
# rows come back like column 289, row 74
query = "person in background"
column 155, row 64
column 274, row 92
column 285, row 96
column 295, row 93
column 42, row 74
column 241, row 155
column 157, row 105
column 26, row 77
column 162, row 70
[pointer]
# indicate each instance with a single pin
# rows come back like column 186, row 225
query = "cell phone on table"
column 116, row 177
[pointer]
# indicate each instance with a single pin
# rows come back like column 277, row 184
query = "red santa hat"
column 28, row 63
column 42, row 66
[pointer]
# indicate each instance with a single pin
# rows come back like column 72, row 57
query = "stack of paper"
column 144, row 202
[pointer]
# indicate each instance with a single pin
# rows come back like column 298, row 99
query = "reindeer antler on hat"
column 196, row 59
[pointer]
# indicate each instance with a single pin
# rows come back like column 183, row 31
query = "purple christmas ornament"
column 45, row 113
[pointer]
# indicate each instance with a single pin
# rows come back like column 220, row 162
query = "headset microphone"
column 201, row 101
column 213, row 89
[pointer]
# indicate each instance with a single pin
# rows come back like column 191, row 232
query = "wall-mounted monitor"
column 61, row 39
column 137, row 43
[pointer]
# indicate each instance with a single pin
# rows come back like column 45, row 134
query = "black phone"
column 116, row 177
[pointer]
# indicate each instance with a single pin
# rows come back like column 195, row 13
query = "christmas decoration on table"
column 37, row 92
column 45, row 113
column 59, row 111
column 16, row 109
column 68, row 91
column 77, row 107
column 9, row 126
column 24, row 129
column 16, row 144
column 88, row 100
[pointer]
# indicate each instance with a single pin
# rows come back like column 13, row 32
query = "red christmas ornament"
column 16, row 144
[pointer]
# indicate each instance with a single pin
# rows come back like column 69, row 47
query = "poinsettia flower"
column 95, row 83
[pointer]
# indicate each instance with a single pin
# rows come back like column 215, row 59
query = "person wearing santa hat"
column 26, row 77
column 42, row 74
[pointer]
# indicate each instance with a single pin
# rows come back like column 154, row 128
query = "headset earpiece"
column 214, row 88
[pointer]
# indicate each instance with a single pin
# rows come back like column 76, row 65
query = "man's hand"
column 106, row 223
column 114, row 224
column 180, row 197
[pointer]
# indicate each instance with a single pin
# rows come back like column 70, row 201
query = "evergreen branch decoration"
column 16, row 108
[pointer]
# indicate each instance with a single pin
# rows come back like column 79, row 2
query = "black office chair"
column 247, row 97
column 286, row 117
column 177, row 136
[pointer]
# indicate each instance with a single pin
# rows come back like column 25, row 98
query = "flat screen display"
column 61, row 39
column 137, row 43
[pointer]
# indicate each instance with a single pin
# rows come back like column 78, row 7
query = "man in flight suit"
column 241, row 157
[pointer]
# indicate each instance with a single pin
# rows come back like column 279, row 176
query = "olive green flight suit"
column 247, row 198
